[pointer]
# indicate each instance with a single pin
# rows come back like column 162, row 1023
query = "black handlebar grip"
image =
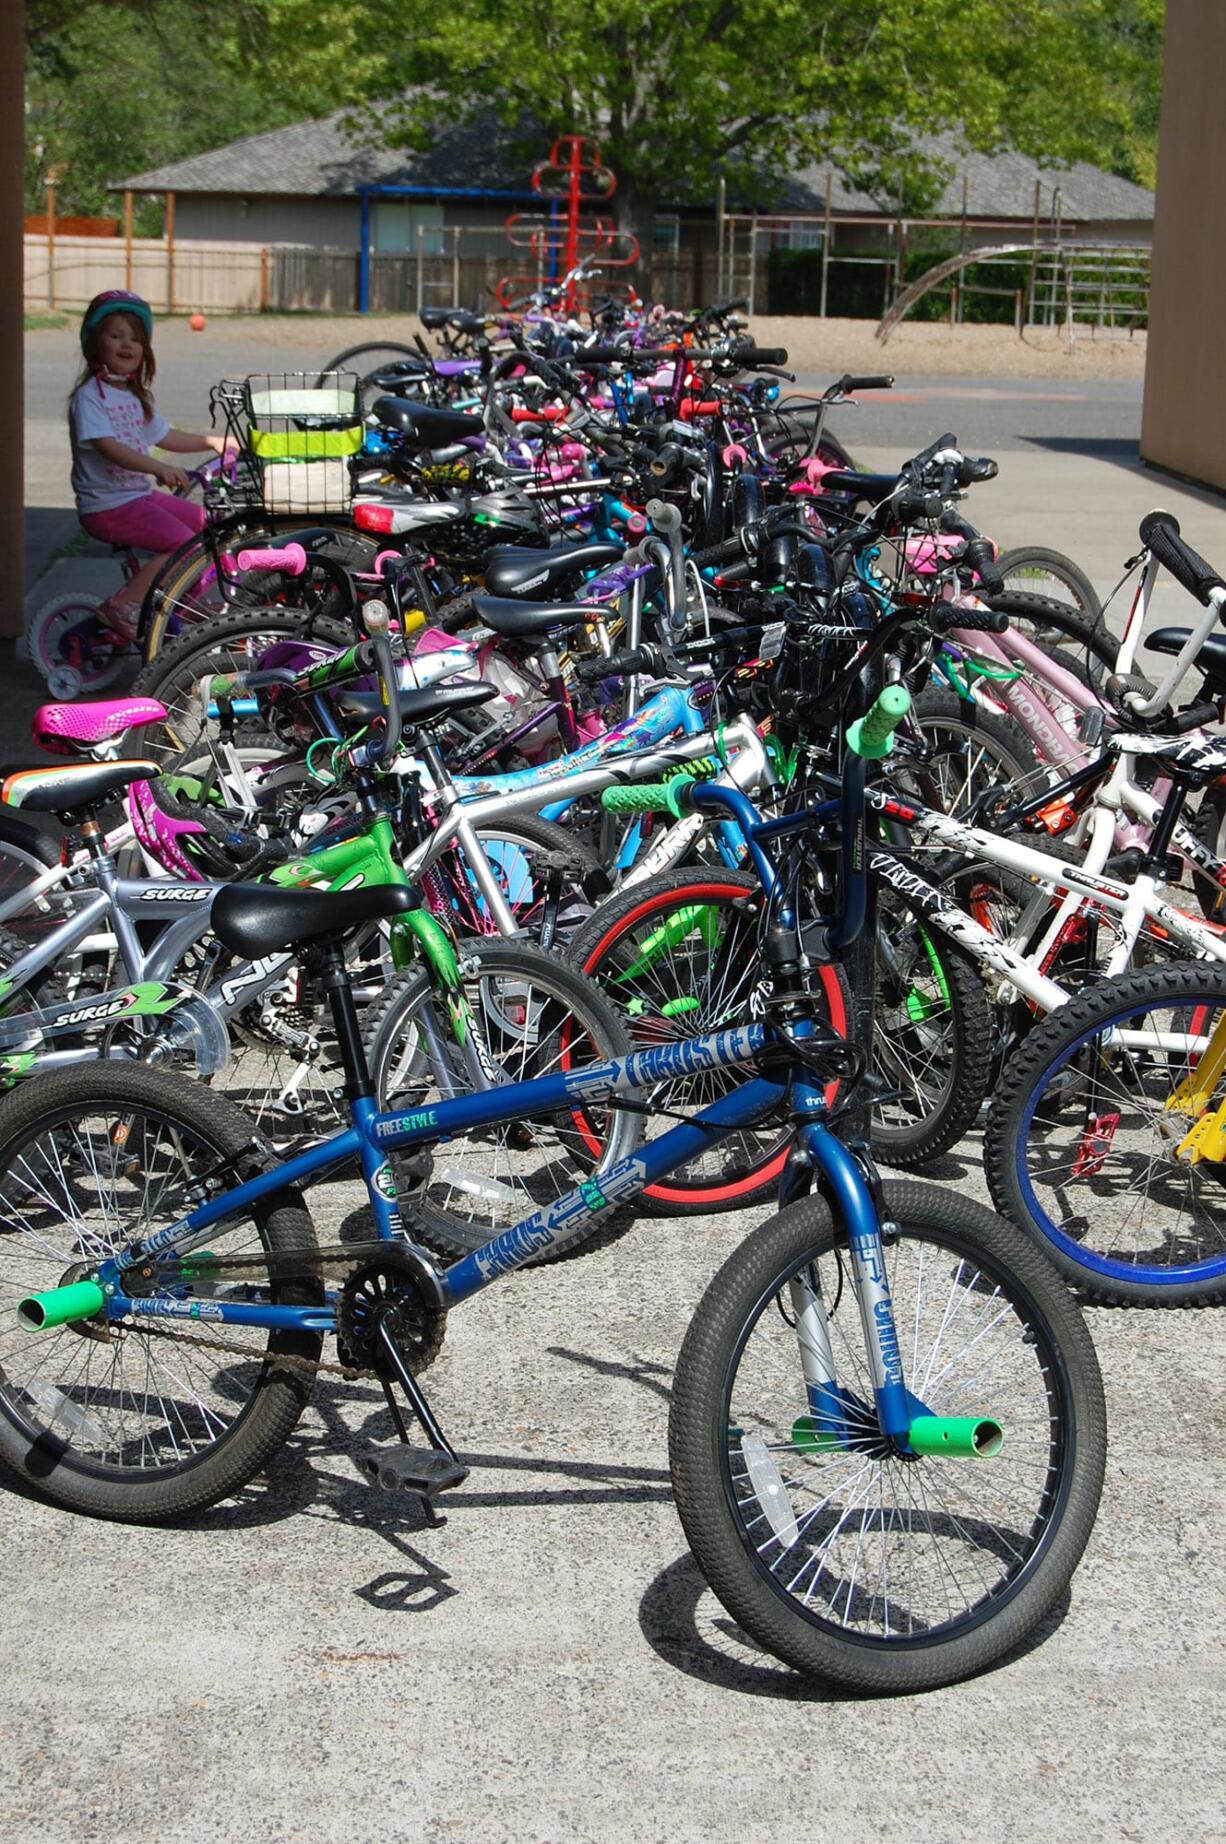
column 881, row 382
column 1198, row 718
column 715, row 554
column 981, row 556
column 748, row 356
column 974, row 620
column 976, row 468
column 629, row 659
column 1160, row 535
column 666, row 462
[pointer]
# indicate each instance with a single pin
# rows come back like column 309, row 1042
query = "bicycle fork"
column 896, row 1420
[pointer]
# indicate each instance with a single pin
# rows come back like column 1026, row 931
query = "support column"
column 12, row 260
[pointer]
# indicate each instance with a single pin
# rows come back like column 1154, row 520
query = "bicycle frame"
column 524, row 792
column 372, row 1135
column 368, row 858
column 1134, row 904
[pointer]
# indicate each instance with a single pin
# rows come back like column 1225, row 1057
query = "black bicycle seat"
column 417, row 708
column 77, row 787
column 257, row 919
column 523, row 620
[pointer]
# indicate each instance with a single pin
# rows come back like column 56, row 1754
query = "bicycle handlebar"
column 1160, row 536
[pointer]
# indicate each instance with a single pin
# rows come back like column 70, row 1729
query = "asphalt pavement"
column 309, row 1661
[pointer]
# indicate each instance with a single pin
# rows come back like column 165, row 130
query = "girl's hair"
column 145, row 372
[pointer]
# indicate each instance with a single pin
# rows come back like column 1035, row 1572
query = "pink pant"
column 156, row 522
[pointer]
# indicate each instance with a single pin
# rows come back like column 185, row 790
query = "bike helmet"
column 116, row 301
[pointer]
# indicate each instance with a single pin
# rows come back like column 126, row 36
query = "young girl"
column 114, row 422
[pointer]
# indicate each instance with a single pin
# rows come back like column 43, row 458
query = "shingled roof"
column 998, row 186
column 320, row 159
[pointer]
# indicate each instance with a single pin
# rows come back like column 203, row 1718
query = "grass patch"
column 45, row 323
column 76, row 546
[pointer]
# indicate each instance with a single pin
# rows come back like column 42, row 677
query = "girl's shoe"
column 120, row 616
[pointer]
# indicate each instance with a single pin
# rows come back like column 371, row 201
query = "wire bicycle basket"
column 298, row 433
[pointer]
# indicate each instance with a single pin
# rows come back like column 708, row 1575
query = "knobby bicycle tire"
column 760, row 1502
column 50, row 1432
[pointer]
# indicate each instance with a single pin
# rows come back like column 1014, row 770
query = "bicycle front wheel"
column 1105, row 1141
column 151, row 1419
column 877, row 1572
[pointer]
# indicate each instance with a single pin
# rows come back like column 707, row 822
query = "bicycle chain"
column 351, row 1255
column 285, row 1359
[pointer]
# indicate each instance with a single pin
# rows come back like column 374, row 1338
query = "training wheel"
column 68, row 636
column 64, row 684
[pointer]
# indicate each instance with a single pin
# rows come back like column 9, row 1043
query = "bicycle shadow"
column 719, row 1653
column 318, row 1474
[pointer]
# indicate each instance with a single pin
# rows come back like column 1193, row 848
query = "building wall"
column 1183, row 425
column 320, row 223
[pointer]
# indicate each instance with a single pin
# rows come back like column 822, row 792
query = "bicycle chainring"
column 386, row 1291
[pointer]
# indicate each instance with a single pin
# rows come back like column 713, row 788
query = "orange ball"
column 196, row 322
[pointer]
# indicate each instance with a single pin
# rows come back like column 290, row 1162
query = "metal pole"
column 827, row 232
column 170, row 252
column 50, row 204
column 455, row 265
column 721, row 209
column 1034, row 251
column 421, row 236
column 127, row 241
column 364, row 257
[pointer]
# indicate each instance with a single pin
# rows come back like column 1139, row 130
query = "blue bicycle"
column 887, row 1434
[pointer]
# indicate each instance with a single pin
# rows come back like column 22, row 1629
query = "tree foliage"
column 678, row 92
column 116, row 87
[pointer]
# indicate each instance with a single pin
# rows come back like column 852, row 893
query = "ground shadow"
column 670, row 1623
column 1123, row 451
column 641, row 1371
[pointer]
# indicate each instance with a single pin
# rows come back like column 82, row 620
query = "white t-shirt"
column 100, row 409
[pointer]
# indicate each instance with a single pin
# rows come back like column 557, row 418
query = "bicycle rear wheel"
column 537, row 1018
column 145, row 1421
column 1031, row 569
column 680, row 954
column 877, row 1572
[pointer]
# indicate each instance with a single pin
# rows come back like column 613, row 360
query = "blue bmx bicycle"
column 887, row 1433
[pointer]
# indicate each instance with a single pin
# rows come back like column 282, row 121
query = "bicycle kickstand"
column 423, row 1471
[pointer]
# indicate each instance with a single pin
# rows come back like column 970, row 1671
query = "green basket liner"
column 305, row 444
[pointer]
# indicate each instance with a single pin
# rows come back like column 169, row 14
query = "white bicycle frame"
column 1119, row 798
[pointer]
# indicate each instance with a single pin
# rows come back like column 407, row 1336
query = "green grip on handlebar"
column 648, row 797
column 872, row 735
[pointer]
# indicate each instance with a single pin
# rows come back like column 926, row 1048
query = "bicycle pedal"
column 423, row 1471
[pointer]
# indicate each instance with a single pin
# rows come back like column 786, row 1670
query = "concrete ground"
column 311, row 1662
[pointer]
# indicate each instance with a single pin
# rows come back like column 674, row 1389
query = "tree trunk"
column 633, row 213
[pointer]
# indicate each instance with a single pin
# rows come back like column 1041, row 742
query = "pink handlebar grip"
column 291, row 558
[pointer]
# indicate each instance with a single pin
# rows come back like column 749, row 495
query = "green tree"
column 115, row 87
column 678, row 92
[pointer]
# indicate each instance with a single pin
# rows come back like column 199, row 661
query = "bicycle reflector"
column 373, row 518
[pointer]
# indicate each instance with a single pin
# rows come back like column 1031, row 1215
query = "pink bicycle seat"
column 63, row 728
